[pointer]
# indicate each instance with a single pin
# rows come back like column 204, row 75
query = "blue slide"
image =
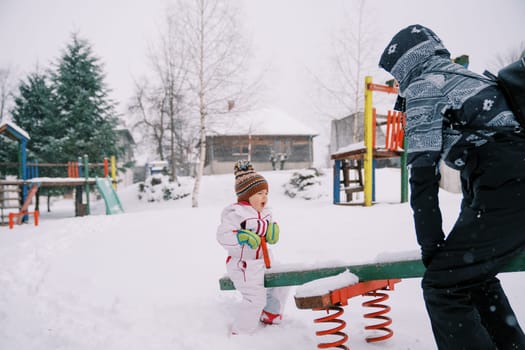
column 113, row 205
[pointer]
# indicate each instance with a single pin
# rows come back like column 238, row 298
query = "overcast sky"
column 294, row 37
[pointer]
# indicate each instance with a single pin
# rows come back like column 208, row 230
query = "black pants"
column 467, row 307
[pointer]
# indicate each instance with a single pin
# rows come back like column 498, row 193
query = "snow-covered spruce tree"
column 68, row 113
column 8, row 154
column 31, row 102
column 87, row 117
column 35, row 112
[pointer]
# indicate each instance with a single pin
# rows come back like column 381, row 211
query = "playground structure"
column 15, row 194
column 362, row 156
column 78, row 177
column 23, row 212
column 374, row 280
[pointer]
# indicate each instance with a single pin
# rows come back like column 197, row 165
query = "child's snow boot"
column 269, row 318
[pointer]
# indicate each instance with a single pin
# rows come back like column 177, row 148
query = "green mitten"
column 272, row 233
column 248, row 237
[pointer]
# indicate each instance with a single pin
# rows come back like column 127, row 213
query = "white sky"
column 293, row 37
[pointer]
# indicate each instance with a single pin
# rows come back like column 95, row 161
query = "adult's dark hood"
column 409, row 48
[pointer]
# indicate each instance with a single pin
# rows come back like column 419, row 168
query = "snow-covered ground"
column 148, row 279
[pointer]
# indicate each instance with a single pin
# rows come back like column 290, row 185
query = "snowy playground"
column 149, row 278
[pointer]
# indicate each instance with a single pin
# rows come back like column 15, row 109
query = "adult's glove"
column 428, row 252
column 249, row 238
column 272, row 233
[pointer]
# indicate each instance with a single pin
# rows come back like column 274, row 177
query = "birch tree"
column 6, row 90
column 218, row 57
column 199, row 74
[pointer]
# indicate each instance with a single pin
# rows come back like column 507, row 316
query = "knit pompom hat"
column 247, row 181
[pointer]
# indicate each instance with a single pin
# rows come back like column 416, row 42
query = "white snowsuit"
column 246, row 268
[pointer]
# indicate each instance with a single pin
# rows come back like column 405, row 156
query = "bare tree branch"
column 353, row 54
column 508, row 57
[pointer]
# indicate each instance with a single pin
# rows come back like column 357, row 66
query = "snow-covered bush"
column 159, row 187
column 305, row 183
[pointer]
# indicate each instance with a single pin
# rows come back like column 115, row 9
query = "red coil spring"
column 378, row 315
column 332, row 318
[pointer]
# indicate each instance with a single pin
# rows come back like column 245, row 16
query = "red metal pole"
column 106, row 167
column 11, row 220
column 266, row 256
column 388, row 129
column 395, row 123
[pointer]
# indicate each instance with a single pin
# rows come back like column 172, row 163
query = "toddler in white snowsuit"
column 244, row 227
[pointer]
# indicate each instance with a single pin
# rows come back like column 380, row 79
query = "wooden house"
column 260, row 136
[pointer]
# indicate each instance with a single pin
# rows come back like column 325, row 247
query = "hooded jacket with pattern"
column 432, row 85
column 466, row 140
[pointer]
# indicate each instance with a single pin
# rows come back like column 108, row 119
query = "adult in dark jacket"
column 455, row 116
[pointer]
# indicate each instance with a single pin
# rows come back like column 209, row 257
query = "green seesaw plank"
column 366, row 272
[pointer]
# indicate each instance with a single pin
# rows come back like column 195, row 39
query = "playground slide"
column 27, row 202
column 113, row 205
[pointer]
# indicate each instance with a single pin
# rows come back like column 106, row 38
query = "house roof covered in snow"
column 268, row 121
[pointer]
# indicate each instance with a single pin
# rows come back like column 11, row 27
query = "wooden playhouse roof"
column 13, row 131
